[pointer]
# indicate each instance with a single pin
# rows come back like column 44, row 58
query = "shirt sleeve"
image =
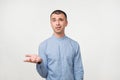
column 42, row 67
column 78, row 66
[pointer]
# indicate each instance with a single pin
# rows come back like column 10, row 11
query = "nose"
column 57, row 23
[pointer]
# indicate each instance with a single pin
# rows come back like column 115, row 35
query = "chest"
column 60, row 51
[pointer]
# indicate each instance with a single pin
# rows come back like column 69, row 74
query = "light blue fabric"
column 61, row 59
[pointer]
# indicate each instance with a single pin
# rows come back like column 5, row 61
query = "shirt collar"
column 61, row 38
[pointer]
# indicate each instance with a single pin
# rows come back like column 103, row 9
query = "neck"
column 59, row 35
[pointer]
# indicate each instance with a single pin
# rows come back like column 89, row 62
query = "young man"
column 59, row 56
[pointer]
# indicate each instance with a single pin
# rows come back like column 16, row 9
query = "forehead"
column 58, row 16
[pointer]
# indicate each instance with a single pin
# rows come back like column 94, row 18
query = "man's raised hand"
column 32, row 58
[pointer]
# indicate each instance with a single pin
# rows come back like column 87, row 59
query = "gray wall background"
column 95, row 24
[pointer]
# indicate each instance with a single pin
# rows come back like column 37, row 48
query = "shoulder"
column 43, row 44
column 74, row 43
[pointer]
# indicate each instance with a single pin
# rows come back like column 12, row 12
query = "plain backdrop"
column 95, row 24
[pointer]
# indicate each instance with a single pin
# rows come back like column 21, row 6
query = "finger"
column 27, row 59
column 33, row 59
column 28, row 55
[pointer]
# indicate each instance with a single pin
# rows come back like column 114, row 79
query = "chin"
column 58, row 32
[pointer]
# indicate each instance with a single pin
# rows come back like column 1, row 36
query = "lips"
column 58, row 28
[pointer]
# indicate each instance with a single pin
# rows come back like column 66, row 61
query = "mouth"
column 58, row 28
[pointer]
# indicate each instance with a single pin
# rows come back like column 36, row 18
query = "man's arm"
column 78, row 66
column 40, row 60
column 42, row 67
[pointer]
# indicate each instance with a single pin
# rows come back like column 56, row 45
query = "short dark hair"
column 59, row 12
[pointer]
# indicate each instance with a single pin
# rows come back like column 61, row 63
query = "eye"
column 53, row 19
column 61, row 19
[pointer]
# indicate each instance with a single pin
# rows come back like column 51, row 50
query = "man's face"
column 58, row 23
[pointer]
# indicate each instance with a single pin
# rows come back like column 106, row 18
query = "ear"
column 66, row 23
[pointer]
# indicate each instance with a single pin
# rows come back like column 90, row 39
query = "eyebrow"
column 52, row 18
column 59, row 18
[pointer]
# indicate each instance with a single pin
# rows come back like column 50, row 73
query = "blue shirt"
column 61, row 59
